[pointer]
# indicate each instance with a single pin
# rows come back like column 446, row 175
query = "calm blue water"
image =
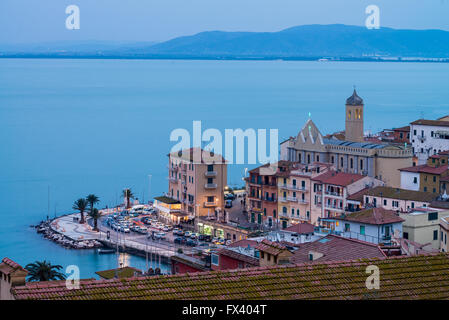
column 97, row 126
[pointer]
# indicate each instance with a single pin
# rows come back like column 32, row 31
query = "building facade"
column 197, row 179
column 377, row 160
column 429, row 137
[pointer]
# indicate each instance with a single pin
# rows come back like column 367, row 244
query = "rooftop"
column 7, row 266
column 301, row 228
column 412, row 277
column 424, row 168
column 271, row 247
column 424, row 122
column 338, row 178
column 354, row 100
column 375, row 216
column 335, row 248
column 167, row 200
column 401, row 194
column 125, row 272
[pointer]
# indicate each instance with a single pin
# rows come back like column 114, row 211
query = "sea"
column 69, row 128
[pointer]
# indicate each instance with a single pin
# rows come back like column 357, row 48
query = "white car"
column 160, row 235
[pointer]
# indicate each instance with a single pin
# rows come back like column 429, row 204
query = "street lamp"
column 149, row 187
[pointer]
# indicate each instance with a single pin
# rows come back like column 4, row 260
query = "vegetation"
column 92, row 200
column 95, row 215
column 81, row 206
column 127, row 195
column 44, row 271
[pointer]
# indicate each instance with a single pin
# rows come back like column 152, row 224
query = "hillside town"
column 340, row 201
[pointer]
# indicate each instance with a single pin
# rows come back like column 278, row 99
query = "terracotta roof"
column 335, row 248
column 8, row 266
column 439, row 204
column 271, row 247
column 358, row 196
column 125, row 272
column 413, row 277
column 244, row 243
column 401, row 194
column 338, row 178
column 376, row 216
column 301, row 228
column 424, row 122
column 239, row 256
column 406, row 128
column 426, row 169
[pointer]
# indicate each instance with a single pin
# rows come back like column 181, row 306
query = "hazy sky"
column 156, row 20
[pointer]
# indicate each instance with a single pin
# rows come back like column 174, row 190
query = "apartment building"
column 429, row 137
column 197, row 179
column 294, row 190
column 423, row 225
column 352, row 154
column 429, row 177
column 444, row 234
column 374, row 225
column 330, row 192
column 397, row 199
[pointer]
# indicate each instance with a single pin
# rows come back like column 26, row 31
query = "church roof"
column 354, row 100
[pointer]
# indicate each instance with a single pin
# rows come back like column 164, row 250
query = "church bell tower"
column 354, row 118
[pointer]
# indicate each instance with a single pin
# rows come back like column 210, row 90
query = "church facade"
column 353, row 154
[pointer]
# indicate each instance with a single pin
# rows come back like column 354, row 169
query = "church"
column 349, row 152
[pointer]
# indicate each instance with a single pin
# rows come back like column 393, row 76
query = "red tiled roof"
column 301, row 228
column 431, row 123
column 338, row 178
column 376, row 216
column 335, row 248
column 239, row 256
column 244, row 243
column 406, row 128
column 358, row 196
column 426, row 169
column 412, row 277
column 271, row 247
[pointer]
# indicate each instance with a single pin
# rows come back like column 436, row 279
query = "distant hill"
column 311, row 41
column 335, row 41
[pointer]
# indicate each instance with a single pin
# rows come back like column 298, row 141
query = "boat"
column 105, row 251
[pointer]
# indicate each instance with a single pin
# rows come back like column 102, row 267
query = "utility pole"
column 149, row 187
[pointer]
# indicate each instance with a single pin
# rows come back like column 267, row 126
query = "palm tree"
column 92, row 200
column 95, row 214
column 127, row 194
column 81, row 206
column 44, row 271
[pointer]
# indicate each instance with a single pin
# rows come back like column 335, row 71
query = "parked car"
column 187, row 234
column 159, row 236
column 194, row 235
column 180, row 240
column 229, row 196
column 228, row 203
column 191, row 243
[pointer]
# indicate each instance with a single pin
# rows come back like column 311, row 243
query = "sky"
column 34, row 21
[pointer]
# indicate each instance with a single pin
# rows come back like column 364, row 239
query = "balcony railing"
column 210, row 204
column 282, row 199
column 293, row 187
column 173, row 180
column 332, row 207
column 271, row 199
column 210, row 173
column 336, row 194
column 292, row 199
column 303, row 201
column 210, row 186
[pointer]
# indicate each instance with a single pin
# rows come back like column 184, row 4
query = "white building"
column 410, row 180
column 375, row 225
column 429, row 137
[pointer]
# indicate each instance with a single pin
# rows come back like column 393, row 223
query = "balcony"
column 283, row 199
column 270, row 199
column 303, row 201
column 333, row 194
column 253, row 197
column 210, row 174
column 173, row 180
column 292, row 199
column 210, row 204
column 210, row 186
column 334, row 208
column 292, row 187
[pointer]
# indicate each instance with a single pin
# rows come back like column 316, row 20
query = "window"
column 362, row 229
column 361, row 164
column 268, row 257
column 210, row 167
column 434, row 179
column 214, row 258
column 211, row 199
column 415, row 180
column 347, row 227
column 385, row 202
column 341, row 162
column 274, row 214
column 435, row 234
column 425, row 189
column 352, row 163
column 414, row 132
column 433, row 216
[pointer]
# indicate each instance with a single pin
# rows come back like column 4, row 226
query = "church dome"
column 354, row 100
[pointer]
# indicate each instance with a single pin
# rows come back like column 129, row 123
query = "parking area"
column 143, row 226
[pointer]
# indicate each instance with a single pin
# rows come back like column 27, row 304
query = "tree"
column 95, row 214
column 92, row 200
column 44, row 271
column 127, row 194
column 81, row 206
